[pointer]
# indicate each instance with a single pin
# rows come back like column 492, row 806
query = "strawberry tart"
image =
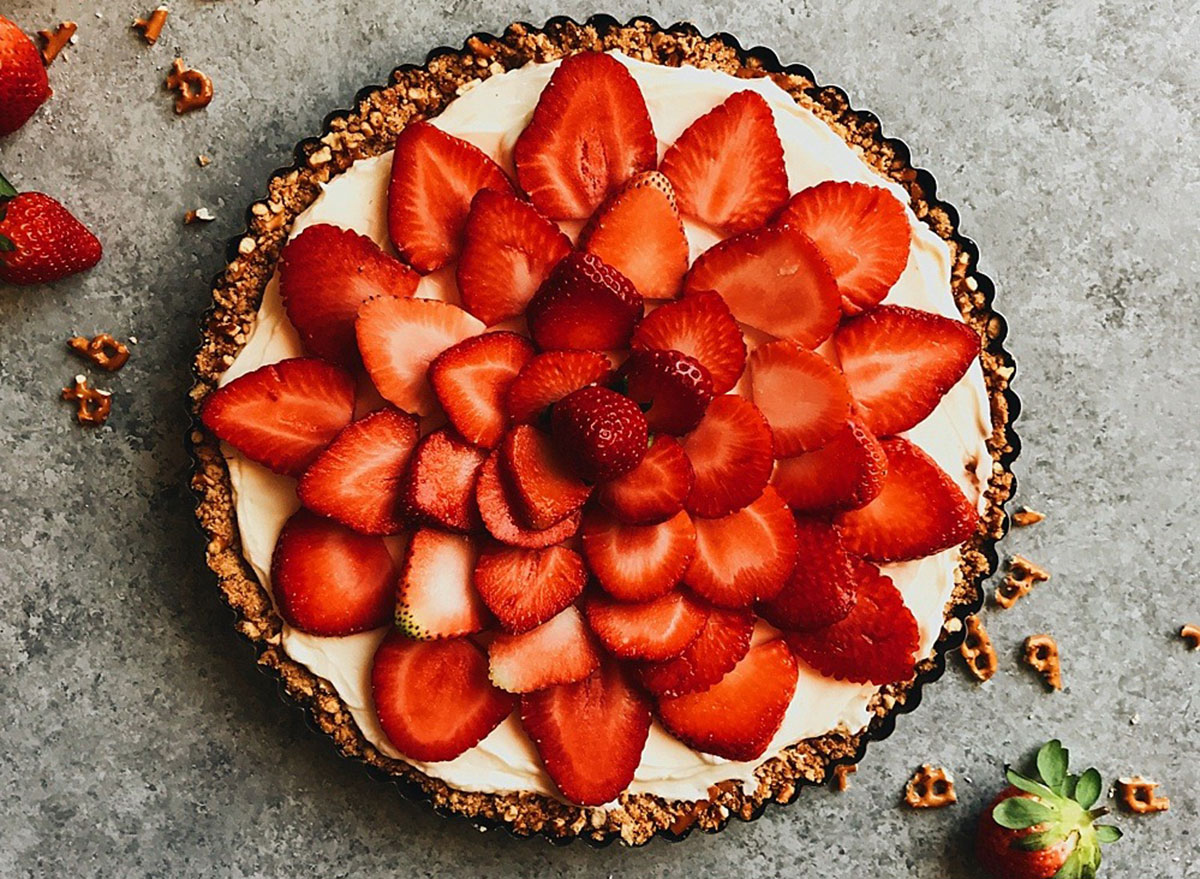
column 601, row 429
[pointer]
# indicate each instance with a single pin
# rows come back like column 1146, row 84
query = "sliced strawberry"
column 801, row 394
column 738, row 716
column 549, row 377
column 284, row 414
column 674, row 389
column 434, row 178
column 433, row 698
column 638, row 233
column 559, row 651
column 863, row 233
column 545, row 487
column 654, row 490
column 637, row 562
column 589, row 134
column 439, row 487
column 526, row 587
column 498, row 510
column 436, row 597
column 845, row 473
column 330, row 581
column 821, row 589
column 602, row 433
column 584, row 303
column 746, row 556
column 876, row 643
column 920, row 510
column 900, row 362
column 730, row 452
column 399, row 337
column 700, row 326
column 590, row 734
column 509, row 249
column 727, row 167
column 656, row 630
column 471, row 382
column 773, row 279
column 325, row 275
column 358, row 479
column 721, row 644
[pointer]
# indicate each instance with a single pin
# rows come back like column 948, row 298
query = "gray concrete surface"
column 136, row 736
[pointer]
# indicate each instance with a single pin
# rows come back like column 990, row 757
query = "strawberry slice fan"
column 602, row 486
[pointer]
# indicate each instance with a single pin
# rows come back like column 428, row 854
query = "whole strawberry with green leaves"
column 1044, row 827
column 40, row 240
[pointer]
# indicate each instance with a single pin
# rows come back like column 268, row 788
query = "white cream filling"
column 491, row 114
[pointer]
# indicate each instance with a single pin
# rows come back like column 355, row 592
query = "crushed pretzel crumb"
column 841, row 776
column 200, row 215
column 1138, row 796
column 1020, row 580
column 1190, row 633
column 56, row 40
column 931, row 787
column 977, row 650
column 203, row 161
column 1041, row 654
column 102, row 349
column 152, row 25
column 195, row 88
column 1025, row 517
column 93, row 406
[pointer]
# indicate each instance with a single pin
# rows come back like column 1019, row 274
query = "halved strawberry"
column 471, row 382
column 325, row 274
column 498, row 509
column 590, row 734
column 399, row 337
column 436, row 597
column 700, row 326
column 845, row 473
column 589, row 134
column 638, row 233
column 737, row 717
column 821, row 589
column 637, row 562
column 672, row 388
column 526, row 587
column 899, row 363
column 546, row 489
column 284, row 414
column 357, row 479
column 584, row 303
column 434, row 178
column 509, row 249
column 439, row 486
column 559, row 651
column 746, row 556
column 730, row 452
column 721, row 644
column 773, row 279
column 406, row 675
column 863, row 233
column 600, row 432
column 801, row 394
column 655, row 630
column 920, row 510
column 727, row 167
column 330, row 581
column 654, row 490
column 549, row 377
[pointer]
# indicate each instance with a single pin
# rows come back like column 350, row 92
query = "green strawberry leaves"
column 1017, row 813
column 1107, row 834
column 1087, row 790
column 1052, row 761
column 7, row 190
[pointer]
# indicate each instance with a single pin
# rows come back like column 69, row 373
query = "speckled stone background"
column 138, row 739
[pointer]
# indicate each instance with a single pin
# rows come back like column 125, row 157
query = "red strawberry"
column 920, row 510
column 654, row 490
column 439, row 486
column 325, row 275
column 721, row 644
column 638, row 233
column 526, row 587
column 40, row 241
column 637, row 562
column 499, row 511
column 559, row 651
column 24, row 85
column 803, row 397
column 821, row 588
column 589, row 134
column 433, row 698
column 584, row 303
column 549, row 377
column 284, row 414
column 730, row 452
column 436, row 597
column 602, row 433
column 738, row 716
column 546, row 489
column 899, row 362
column 999, row 851
column 399, row 338
column 846, row 472
column 673, row 388
column 656, row 630
column 875, row 643
column 509, row 249
column 330, row 581
column 590, row 734
column 773, row 279
column 746, row 556
column 471, row 382
column 700, row 326
column 863, row 233
column 357, row 480
column 434, row 178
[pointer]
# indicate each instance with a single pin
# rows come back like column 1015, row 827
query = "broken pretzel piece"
column 1041, row 654
column 1020, row 580
column 94, row 406
column 56, row 40
column 151, row 27
column 1190, row 634
column 931, row 787
column 1138, row 796
column 1025, row 517
column 977, row 650
column 841, row 776
column 102, row 349
column 195, row 88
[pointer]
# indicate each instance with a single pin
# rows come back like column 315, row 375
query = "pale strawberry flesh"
column 559, row 651
column 471, row 382
column 801, row 394
column 731, row 454
column 436, row 596
column 655, row 630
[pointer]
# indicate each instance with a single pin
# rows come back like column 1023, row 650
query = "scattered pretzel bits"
column 1020, row 580
column 93, row 406
column 931, row 787
column 1190, row 633
column 200, row 215
column 56, row 40
column 102, row 349
column 841, row 776
column 1041, row 654
column 195, row 88
column 977, row 650
column 1025, row 517
column 1138, row 796
column 151, row 27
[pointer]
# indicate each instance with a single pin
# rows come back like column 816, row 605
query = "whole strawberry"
column 602, row 433
column 40, row 241
column 1044, row 827
column 23, row 83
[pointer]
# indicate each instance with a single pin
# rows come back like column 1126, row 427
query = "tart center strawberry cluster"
column 616, row 509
